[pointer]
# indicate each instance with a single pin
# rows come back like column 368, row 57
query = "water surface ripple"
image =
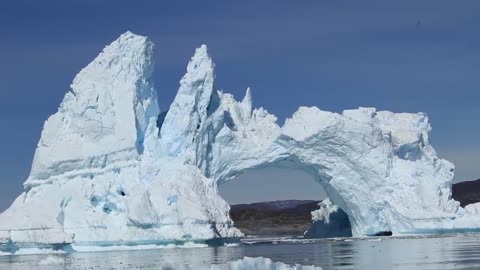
column 438, row 252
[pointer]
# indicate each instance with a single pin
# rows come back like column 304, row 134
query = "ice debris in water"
column 52, row 260
column 329, row 221
column 247, row 263
column 265, row 263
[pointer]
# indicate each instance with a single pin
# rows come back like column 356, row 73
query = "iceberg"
column 101, row 175
column 111, row 170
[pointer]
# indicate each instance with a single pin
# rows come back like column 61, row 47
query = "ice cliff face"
column 99, row 174
column 105, row 173
column 105, row 115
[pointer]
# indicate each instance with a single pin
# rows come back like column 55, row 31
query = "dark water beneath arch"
column 436, row 252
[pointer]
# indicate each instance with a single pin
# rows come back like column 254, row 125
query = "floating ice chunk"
column 52, row 260
column 329, row 221
column 262, row 263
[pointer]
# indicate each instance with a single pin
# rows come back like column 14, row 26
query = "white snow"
column 104, row 174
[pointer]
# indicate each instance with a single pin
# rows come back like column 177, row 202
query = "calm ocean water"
column 436, row 252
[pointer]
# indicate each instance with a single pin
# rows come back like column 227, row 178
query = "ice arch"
column 377, row 166
column 108, row 170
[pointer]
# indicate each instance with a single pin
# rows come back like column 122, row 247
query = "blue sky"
column 404, row 56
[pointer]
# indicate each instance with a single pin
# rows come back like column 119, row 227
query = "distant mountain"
column 277, row 218
column 271, row 205
column 466, row 192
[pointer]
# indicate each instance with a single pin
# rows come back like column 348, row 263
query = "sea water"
column 460, row 251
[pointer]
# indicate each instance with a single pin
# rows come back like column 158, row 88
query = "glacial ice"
column 104, row 174
column 329, row 221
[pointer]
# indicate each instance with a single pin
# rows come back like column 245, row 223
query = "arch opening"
column 281, row 201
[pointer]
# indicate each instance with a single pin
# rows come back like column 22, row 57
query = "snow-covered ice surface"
column 101, row 175
column 109, row 172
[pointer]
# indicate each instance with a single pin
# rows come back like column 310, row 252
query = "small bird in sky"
column 418, row 24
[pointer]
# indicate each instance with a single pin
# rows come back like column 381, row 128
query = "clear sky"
column 404, row 56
